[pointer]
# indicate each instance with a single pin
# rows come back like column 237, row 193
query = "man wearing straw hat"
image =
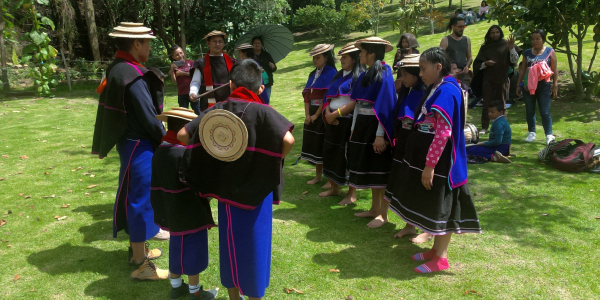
column 213, row 72
column 130, row 97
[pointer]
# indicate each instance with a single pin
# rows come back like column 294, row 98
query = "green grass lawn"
column 540, row 239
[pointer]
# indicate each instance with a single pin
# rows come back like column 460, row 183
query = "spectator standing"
column 458, row 48
column 266, row 62
column 537, row 86
column 180, row 75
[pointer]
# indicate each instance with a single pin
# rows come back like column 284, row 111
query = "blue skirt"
column 188, row 254
column 133, row 211
column 488, row 152
column 245, row 247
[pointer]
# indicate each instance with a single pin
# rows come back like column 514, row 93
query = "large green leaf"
column 47, row 22
column 37, row 38
column 43, row 2
column 29, row 49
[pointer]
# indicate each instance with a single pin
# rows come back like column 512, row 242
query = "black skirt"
column 438, row 211
column 367, row 168
column 399, row 149
column 313, row 137
column 335, row 150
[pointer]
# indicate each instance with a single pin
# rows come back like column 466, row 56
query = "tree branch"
column 593, row 57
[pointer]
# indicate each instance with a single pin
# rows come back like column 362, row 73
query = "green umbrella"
column 277, row 40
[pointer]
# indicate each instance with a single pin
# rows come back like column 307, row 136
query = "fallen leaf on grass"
column 61, row 218
column 92, row 176
column 69, row 190
column 51, row 196
column 92, row 186
column 47, row 173
column 598, row 218
column 80, row 179
column 5, row 156
column 21, row 194
column 472, row 292
column 17, row 277
column 544, row 215
column 65, row 206
column 289, row 291
column 334, row 270
column 305, row 192
column 2, row 222
column 520, row 166
column 9, row 245
column 86, row 173
column 9, row 212
column 57, row 216
column 77, row 169
column 1, row 179
column 31, row 290
column 27, row 197
column 349, row 297
column 20, row 172
column 24, row 157
column 591, row 190
column 82, row 146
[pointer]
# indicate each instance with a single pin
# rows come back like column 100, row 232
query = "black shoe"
column 204, row 295
column 179, row 292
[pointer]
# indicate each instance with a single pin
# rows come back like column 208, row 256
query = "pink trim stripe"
column 169, row 191
column 209, row 226
column 121, row 187
column 237, row 273
column 113, row 108
column 441, row 110
column 365, row 100
column 227, row 201
column 181, row 257
column 263, row 151
column 136, row 68
column 193, row 146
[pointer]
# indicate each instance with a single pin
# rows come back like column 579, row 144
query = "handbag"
column 571, row 157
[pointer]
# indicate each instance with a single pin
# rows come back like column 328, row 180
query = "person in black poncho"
column 130, row 96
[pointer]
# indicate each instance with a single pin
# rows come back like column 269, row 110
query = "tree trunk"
column 174, row 13
column 91, row 25
column 167, row 41
column 2, row 52
column 449, row 3
column 182, row 29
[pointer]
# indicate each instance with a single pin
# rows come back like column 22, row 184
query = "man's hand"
column 193, row 97
column 511, row 42
column 490, row 63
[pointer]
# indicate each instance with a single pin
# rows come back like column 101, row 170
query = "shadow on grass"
column 69, row 259
column 367, row 252
column 101, row 228
column 307, row 64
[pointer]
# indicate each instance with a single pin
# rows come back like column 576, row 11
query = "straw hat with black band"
column 350, row 47
column 215, row 33
column 177, row 113
column 132, row 31
column 377, row 41
column 410, row 61
column 320, row 49
column 244, row 46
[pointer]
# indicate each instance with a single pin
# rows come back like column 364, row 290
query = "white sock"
column 194, row 288
column 176, row 282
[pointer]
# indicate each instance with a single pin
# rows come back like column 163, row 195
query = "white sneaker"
column 530, row 137
column 162, row 235
column 549, row 138
column 508, row 105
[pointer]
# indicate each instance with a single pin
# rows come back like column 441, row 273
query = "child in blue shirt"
column 498, row 146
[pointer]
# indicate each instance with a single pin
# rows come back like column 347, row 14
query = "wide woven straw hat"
column 410, row 61
column 223, row 135
column 320, row 48
column 132, row 31
column 183, row 109
column 244, row 46
column 350, row 47
column 183, row 114
column 376, row 40
column 215, row 33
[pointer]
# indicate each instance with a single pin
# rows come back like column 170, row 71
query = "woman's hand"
column 427, row 177
column 490, row 63
column 272, row 65
column 331, row 117
column 511, row 41
column 379, row 145
column 554, row 91
column 307, row 120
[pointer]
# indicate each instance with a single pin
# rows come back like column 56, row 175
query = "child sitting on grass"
column 498, row 147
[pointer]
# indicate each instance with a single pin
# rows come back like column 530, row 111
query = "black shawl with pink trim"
column 111, row 117
column 246, row 182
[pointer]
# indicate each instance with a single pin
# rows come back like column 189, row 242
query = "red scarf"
column 208, row 81
column 122, row 55
column 171, row 138
column 245, row 94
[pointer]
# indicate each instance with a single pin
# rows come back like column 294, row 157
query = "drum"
column 471, row 134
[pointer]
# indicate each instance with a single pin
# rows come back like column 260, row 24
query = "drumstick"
column 469, row 145
column 208, row 92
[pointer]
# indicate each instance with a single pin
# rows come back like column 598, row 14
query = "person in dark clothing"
column 130, row 98
column 213, row 72
column 458, row 48
column 266, row 62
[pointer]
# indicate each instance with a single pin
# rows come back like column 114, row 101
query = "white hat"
column 132, row 31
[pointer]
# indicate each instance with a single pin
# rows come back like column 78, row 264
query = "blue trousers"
column 245, row 247
column 488, row 152
column 542, row 97
column 133, row 211
column 188, row 254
